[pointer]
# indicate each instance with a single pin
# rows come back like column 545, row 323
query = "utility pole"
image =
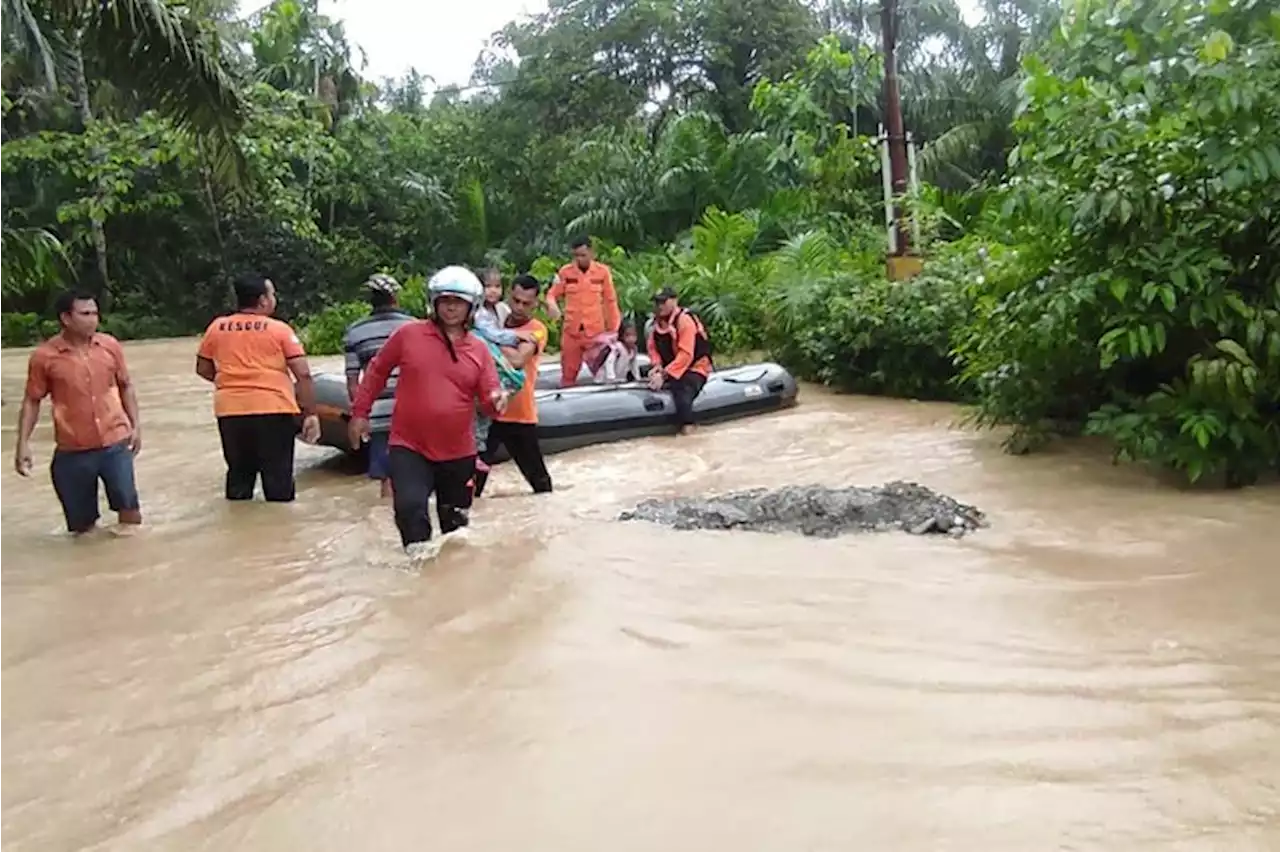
column 900, row 262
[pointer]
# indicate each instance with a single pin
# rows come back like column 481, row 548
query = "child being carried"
column 489, row 325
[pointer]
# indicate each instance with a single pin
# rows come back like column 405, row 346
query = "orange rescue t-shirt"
column 250, row 351
column 686, row 339
column 522, row 407
column 590, row 301
column 85, row 383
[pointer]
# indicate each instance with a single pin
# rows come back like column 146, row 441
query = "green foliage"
column 323, row 333
column 33, row 260
column 25, row 329
column 1146, row 302
column 867, row 334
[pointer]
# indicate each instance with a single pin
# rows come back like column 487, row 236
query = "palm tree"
column 155, row 51
column 295, row 48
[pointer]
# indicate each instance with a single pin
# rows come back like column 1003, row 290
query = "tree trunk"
column 96, row 229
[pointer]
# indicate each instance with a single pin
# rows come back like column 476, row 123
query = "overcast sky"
column 441, row 38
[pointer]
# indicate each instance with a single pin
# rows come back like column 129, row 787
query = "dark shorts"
column 75, row 480
column 378, row 463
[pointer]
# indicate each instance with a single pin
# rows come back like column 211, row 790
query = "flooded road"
column 1098, row 670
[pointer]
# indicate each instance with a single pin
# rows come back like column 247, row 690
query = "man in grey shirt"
column 362, row 341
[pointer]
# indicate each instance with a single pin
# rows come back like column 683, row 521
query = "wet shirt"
column 436, row 396
column 590, row 301
column 523, row 407
column 363, row 340
column 85, row 383
column 250, row 352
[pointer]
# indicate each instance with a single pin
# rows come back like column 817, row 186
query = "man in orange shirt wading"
column 252, row 360
column 590, row 307
column 680, row 352
column 517, row 427
column 95, row 417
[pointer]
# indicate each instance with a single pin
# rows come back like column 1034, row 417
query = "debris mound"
column 814, row 510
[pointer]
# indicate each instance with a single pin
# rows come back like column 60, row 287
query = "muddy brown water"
column 1098, row 670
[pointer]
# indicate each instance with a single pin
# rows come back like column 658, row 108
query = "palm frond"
column 33, row 259
column 164, row 58
column 25, row 27
column 952, row 148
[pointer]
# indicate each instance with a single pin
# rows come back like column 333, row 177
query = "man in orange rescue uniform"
column 680, row 352
column 252, row 360
column 590, row 307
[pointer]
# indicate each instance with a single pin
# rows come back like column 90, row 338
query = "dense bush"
column 1147, row 303
column 892, row 337
column 25, row 329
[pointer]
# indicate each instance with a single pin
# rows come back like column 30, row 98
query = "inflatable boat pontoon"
column 588, row 414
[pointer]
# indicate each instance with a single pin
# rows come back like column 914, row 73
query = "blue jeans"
column 379, row 466
column 75, row 476
column 481, row 431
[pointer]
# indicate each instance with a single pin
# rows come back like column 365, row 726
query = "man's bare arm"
column 28, row 416
column 301, row 370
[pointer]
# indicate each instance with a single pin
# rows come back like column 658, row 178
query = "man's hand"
column 22, row 461
column 656, row 378
column 499, row 399
column 311, row 428
column 135, row 440
column 357, row 432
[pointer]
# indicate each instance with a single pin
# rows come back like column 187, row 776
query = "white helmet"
column 456, row 281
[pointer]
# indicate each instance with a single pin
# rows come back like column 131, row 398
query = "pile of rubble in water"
column 817, row 511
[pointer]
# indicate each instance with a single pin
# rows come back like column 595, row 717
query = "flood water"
column 1098, row 670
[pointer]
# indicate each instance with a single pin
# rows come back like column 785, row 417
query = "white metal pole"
column 887, row 179
column 915, row 191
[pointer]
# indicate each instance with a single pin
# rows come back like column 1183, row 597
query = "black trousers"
column 521, row 441
column 684, row 391
column 413, row 479
column 256, row 445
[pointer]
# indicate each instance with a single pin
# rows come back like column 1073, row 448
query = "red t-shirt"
column 435, row 395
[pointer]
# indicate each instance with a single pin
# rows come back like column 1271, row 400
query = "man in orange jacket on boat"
column 590, row 307
column 679, row 354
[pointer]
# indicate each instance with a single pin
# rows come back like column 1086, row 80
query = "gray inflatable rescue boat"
column 587, row 414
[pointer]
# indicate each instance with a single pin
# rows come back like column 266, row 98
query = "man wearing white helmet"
column 444, row 370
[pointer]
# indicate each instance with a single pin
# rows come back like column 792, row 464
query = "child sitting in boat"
column 617, row 363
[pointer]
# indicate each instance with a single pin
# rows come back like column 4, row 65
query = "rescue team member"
column 680, row 352
column 444, row 369
column 96, row 432
column 517, row 427
column 363, row 340
column 590, row 307
column 249, row 356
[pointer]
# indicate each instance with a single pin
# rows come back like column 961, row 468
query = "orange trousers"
column 572, row 348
